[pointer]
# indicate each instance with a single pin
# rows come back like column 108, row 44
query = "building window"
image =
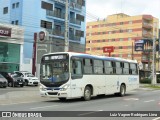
column 130, row 22
column 89, row 41
column 5, row 10
column 121, row 23
column 109, row 32
column 16, row 22
column 121, row 39
column 46, row 24
column 120, row 47
column 129, row 55
column 46, row 6
column 129, row 47
column 130, row 30
column 12, row 22
column 121, row 55
column 113, row 40
column 121, row 31
column 129, row 39
column 13, row 5
column 17, row 5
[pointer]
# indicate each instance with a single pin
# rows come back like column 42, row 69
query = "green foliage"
column 145, row 80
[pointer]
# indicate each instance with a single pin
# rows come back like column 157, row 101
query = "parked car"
column 3, row 82
column 13, row 79
column 28, row 78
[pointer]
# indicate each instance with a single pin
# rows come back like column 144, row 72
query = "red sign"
column 108, row 49
column 5, row 32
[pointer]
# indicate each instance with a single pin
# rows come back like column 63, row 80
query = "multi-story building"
column 11, row 47
column 121, row 31
column 47, row 15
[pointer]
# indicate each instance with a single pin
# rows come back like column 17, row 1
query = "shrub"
column 145, row 80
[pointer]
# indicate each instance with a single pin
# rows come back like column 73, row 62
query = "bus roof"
column 85, row 55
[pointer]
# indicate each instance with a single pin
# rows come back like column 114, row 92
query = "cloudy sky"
column 102, row 8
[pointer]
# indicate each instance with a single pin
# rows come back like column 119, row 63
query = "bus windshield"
column 54, row 71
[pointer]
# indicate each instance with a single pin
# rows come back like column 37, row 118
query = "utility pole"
column 153, row 62
column 66, row 28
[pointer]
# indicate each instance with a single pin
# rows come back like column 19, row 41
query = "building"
column 11, row 47
column 120, row 31
column 48, row 16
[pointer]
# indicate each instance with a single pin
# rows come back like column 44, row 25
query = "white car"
column 28, row 78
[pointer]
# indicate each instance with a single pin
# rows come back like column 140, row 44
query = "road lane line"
column 43, row 107
column 149, row 101
column 156, row 118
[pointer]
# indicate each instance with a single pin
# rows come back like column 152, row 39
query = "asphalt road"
column 28, row 99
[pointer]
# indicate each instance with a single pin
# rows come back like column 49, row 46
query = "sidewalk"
column 144, row 85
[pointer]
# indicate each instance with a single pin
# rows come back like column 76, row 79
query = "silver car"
column 3, row 82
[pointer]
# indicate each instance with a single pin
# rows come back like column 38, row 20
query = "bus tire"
column 122, row 90
column 62, row 99
column 87, row 93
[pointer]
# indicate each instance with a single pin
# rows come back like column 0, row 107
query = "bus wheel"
column 122, row 90
column 62, row 99
column 87, row 93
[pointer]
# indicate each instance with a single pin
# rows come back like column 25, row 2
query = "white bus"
column 66, row 75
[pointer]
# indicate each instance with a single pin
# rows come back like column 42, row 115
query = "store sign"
column 108, row 49
column 5, row 32
column 139, row 45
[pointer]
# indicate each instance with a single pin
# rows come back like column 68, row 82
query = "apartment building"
column 121, row 31
column 49, row 16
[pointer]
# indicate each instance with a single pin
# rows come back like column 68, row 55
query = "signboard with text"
column 5, row 31
column 139, row 45
column 108, row 49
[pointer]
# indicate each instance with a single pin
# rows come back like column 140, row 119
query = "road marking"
column 43, row 107
column 131, row 99
column 156, row 118
column 125, row 105
column 149, row 101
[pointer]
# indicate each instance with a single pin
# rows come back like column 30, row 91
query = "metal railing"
column 55, row 14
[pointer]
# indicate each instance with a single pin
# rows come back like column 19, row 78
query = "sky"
column 102, row 8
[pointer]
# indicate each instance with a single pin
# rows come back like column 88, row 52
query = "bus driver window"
column 76, row 68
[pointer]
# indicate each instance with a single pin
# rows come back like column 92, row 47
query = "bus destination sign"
column 55, row 57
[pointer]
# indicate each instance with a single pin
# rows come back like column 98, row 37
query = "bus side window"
column 76, row 69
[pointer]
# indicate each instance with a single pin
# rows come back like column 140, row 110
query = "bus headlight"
column 65, row 87
column 42, row 88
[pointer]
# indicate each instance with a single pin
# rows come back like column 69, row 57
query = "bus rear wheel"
column 87, row 93
column 122, row 90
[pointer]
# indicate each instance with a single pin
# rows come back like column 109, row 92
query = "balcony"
column 147, row 34
column 147, row 25
column 75, row 5
column 56, row 32
column 60, row 1
column 74, row 38
column 55, row 14
column 74, row 21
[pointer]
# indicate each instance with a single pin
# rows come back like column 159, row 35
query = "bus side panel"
column 111, row 83
column 97, row 82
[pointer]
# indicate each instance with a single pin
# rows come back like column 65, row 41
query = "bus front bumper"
column 54, row 94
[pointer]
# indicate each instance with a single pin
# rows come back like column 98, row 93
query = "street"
column 28, row 99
